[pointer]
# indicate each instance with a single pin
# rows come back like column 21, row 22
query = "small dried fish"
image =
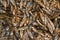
column 48, row 12
column 40, row 3
column 50, row 25
column 12, row 2
column 41, row 25
column 23, row 28
column 2, row 11
column 29, row 20
column 25, row 37
column 23, row 21
column 30, row 34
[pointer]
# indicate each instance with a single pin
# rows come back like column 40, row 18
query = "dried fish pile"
column 29, row 19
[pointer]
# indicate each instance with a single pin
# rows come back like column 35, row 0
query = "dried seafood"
column 29, row 20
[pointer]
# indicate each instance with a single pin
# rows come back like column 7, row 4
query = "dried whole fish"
column 29, row 20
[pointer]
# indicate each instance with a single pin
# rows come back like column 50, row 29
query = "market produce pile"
column 29, row 19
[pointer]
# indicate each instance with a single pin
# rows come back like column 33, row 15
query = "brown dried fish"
column 29, row 20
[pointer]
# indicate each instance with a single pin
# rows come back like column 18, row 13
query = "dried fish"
column 30, row 34
column 51, row 25
column 40, row 3
column 48, row 12
column 29, row 20
column 12, row 2
column 23, row 21
column 23, row 28
column 2, row 11
column 25, row 37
